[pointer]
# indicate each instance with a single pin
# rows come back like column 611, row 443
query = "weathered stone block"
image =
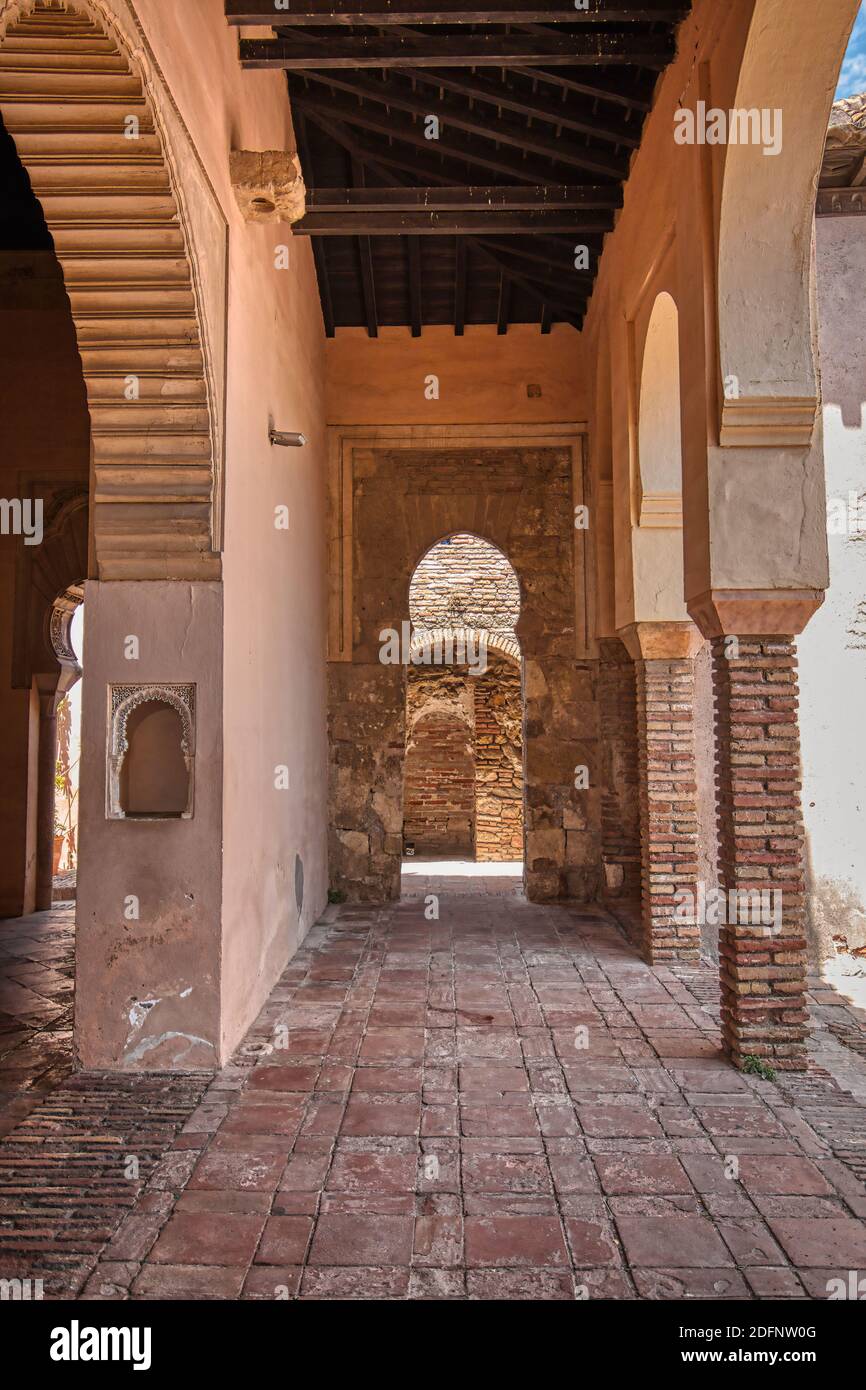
column 268, row 185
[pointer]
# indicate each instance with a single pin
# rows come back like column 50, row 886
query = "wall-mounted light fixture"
column 290, row 440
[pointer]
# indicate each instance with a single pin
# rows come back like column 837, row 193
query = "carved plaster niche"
column 268, row 185
column 123, row 701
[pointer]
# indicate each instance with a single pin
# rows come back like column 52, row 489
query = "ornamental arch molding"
column 124, row 700
column 128, row 203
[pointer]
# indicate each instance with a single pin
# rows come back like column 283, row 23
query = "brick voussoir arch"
column 462, row 639
column 73, row 98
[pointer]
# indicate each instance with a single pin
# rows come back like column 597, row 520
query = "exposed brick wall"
column 761, row 847
column 439, row 774
column 498, row 762
column 465, row 582
column 463, row 784
column 705, row 776
column 620, row 797
column 669, row 822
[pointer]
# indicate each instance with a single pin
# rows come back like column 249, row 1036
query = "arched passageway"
column 463, row 777
column 114, row 430
column 89, row 135
column 44, row 484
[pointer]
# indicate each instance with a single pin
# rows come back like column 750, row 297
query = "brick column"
column 664, row 662
column 762, row 942
column 761, row 844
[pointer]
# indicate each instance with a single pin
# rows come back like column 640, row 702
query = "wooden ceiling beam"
column 361, row 50
column 504, row 304
column 465, row 198
column 365, row 253
column 380, row 13
column 319, row 256
column 460, row 115
column 585, row 122
column 413, row 247
column 596, row 87
column 461, row 255
column 555, row 259
column 568, row 314
column 351, row 222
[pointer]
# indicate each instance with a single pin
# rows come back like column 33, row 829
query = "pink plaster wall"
column 274, row 581
column 483, row 376
column 147, row 973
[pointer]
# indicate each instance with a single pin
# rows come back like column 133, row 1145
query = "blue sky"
column 852, row 79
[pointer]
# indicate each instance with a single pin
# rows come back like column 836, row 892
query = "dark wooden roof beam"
column 634, row 96
column 461, row 255
column 413, row 247
column 350, row 222
column 360, row 50
column 469, row 139
column 466, row 198
column 461, row 115
column 384, row 12
column 558, row 113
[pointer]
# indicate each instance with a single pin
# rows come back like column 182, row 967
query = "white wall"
column 833, row 647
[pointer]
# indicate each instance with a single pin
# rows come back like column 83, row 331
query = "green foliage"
column 756, row 1066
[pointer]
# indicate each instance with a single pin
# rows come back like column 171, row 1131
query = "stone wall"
column 404, row 500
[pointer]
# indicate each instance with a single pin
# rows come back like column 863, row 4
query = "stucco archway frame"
column 769, row 386
column 346, row 442
column 152, row 339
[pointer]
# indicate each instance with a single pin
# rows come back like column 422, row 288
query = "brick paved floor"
column 37, row 967
column 502, row 1103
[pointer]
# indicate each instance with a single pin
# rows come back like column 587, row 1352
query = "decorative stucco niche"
column 124, row 702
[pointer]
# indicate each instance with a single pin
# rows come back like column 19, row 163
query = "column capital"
column 661, row 641
column 754, row 612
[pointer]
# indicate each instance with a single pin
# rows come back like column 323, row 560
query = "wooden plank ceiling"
column 539, row 108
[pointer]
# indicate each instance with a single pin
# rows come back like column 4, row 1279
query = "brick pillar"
column 664, row 661
column 761, row 849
